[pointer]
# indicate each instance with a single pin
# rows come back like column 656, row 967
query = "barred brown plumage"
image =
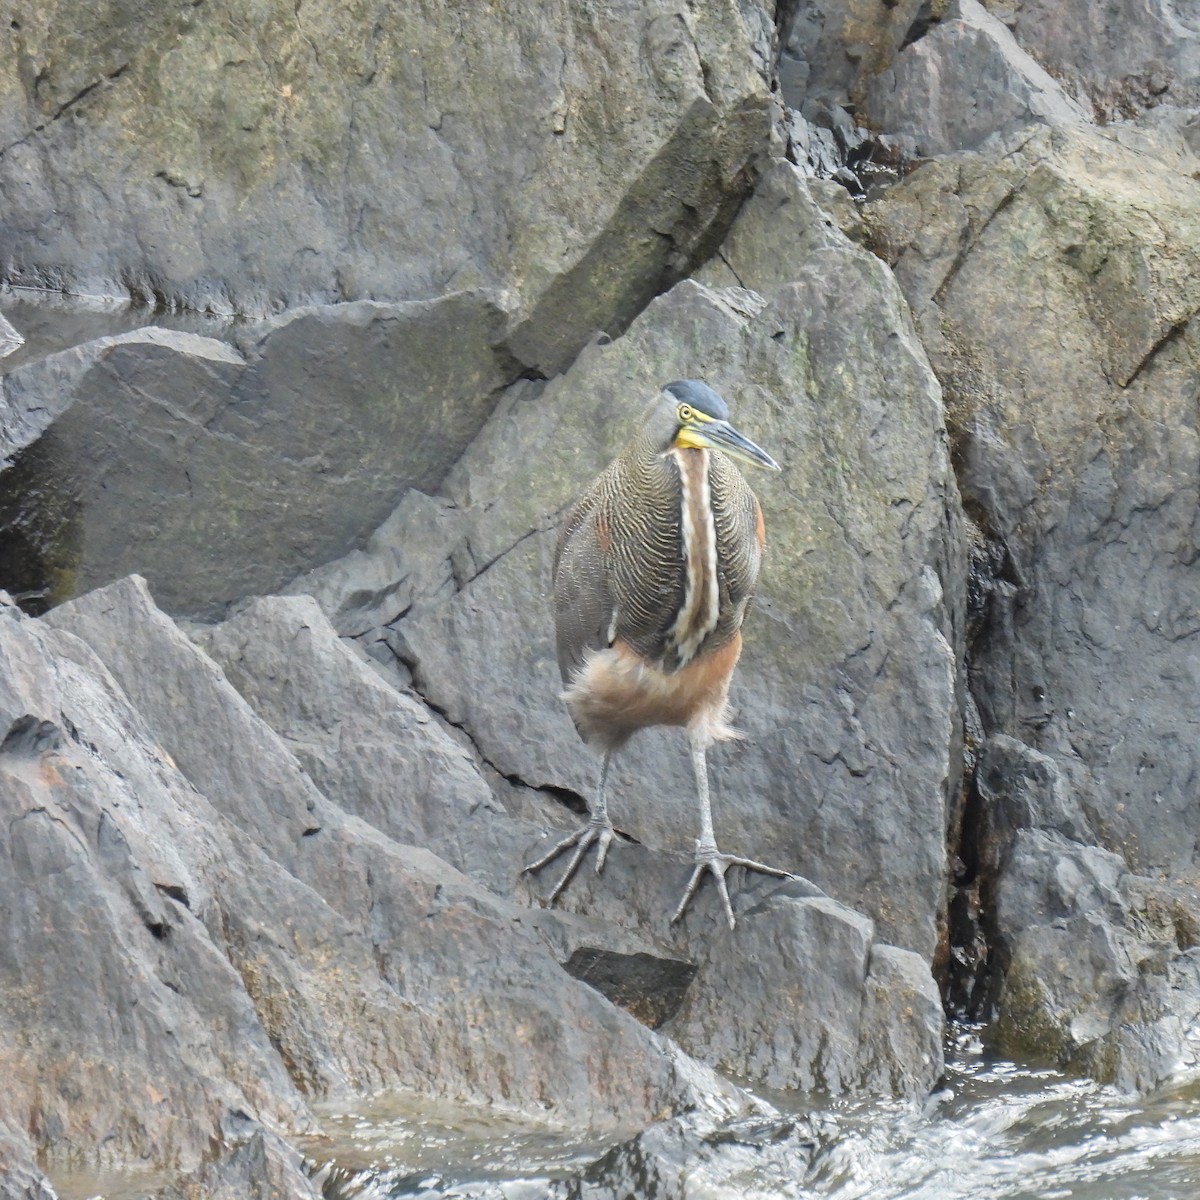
column 654, row 570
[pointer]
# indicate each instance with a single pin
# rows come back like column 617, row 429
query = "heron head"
column 700, row 421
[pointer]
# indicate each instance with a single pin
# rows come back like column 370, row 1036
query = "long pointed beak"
column 720, row 435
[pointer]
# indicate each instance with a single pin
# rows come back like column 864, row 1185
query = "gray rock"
column 965, row 80
column 10, row 339
column 378, row 754
column 169, row 453
column 352, row 154
column 462, row 612
column 1076, row 439
column 435, row 942
column 372, row 751
column 851, row 1017
column 258, row 1164
column 1092, row 968
column 828, row 49
column 684, row 1157
column 781, row 223
column 813, row 148
column 35, row 397
column 1093, row 978
column 1122, row 58
column 1020, row 788
column 19, row 1178
column 1087, row 503
column 128, row 1031
column 235, row 942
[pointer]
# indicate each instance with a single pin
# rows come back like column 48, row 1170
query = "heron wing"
column 583, row 603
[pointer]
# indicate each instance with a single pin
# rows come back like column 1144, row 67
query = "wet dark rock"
column 1099, row 968
column 685, row 1157
column 649, row 987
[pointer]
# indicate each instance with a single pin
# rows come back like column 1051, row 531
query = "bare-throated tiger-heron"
column 655, row 567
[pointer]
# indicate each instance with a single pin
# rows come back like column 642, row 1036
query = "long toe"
column 598, row 833
column 717, row 864
column 750, row 865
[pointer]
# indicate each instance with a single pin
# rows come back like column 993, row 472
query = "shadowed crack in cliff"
column 966, row 969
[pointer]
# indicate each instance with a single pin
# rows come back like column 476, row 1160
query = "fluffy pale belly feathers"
column 617, row 693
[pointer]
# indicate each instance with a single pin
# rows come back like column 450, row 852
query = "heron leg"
column 708, row 859
column 598, row 830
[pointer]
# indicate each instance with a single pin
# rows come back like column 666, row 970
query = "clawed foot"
column 598, row 831
column 710, row 861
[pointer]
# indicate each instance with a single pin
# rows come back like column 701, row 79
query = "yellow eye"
column 685, row 412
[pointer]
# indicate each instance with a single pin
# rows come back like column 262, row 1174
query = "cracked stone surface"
column 279, row 947
column 241, row 164
column 1096, row 968
column 839, row 1022
column 1154, row 60
column 828, row 49
column 1055, row 283
column 380, row 756
column 309, row 953
column 277, row 860
column 963, row 81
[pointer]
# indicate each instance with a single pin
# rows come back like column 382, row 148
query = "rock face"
column 1054, row 282
column 845, row 1001
column 377, row 754
column 339, row 153
column 256, row 944
column 829, row 49
column 1098, row 968
column 1123, row 59
column 965, row 80
column 283, row 947
column 1099, row 485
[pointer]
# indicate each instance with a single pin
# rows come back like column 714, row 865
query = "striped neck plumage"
column 700, row 611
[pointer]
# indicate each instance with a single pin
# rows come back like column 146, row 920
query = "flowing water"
column 995, row 1131
column 998, row 1131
